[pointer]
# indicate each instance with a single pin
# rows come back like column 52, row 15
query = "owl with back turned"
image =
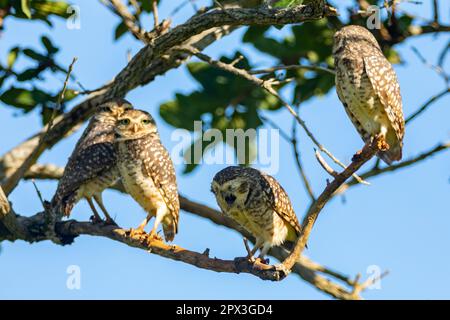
column 368, row 87
column 258, row 203
column 92, row 166
column 147, row 172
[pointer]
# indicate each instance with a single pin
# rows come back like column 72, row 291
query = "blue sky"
column 401, row 222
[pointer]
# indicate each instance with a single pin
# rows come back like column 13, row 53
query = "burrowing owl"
column 91, row 167
column 256, row 201
column 367, row 85
column 147, row 171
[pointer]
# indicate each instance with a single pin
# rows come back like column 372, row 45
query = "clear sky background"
column 400, row 223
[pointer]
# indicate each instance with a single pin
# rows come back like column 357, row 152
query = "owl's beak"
column 135, row 128
column 229, row 199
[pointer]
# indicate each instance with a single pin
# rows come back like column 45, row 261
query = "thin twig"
column 155, row 14
column 292, row 67
column 369, row 150
column 426, row 105
column 38, row 193
column 60, row 98
column 438, row 69
column 324, row 164
column 298, row 162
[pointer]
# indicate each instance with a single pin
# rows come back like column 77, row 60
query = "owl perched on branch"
column 258, row 203
column 92, row 166
column 367, row 85
column 147, row 171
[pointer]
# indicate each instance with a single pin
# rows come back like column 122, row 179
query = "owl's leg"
column 98, row 198
column 96, row 217
column 381, row 137
column 258, row 245
column 264, row 250
column 160, row 214
column 140, row 230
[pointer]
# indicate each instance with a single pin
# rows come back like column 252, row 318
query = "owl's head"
column 134, row 124
column 232, row 187
column 353, row 35
column 112, row 109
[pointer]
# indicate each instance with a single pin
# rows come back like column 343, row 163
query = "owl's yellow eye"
column 124, row 121
column 146, row 121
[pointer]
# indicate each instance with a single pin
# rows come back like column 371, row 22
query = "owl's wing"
column 280, row 202
column 158, row 166
column 84, row 165
column 384, row 81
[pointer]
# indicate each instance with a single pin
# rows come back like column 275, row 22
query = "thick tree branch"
column 305, row 268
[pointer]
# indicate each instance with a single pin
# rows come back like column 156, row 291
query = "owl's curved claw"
column 95, row 219
column 382, row 145
column 155, row 236
column 134, row 233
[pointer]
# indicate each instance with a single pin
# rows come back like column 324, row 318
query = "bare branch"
column 423, row 108
column 316, row 207
column 403, row 164
column 293, row 67
column 305, row 268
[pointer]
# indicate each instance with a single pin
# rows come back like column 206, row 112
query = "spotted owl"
column 258, row 203
column 147, row 171
column 367, row 86
column 92, row 166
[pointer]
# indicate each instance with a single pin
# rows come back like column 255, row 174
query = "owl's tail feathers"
column 392, row 154
column 170, row 229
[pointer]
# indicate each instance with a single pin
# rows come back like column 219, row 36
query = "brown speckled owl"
column 258, row 203
column 91, row 167
column 367, row 85
column 147, row 171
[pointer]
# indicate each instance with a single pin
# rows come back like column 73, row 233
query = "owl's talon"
column 155, row 236
column 95, row 220
column 250, row 258
column 382, row 145
column 262, row 264
column 134, row 233
column 357, row 156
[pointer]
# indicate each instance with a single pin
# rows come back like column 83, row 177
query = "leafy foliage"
column 224, row 101
column 35, row 9
column 25, row 93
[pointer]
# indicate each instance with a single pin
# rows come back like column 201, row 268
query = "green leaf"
column 29, row 74
column 51, row 49
column 121, row 29
column 25, row 6
column 35, row 55
column 12, row 56
column 23, row 98
column 45, row 8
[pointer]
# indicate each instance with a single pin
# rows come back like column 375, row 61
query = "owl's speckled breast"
column 263, row 223
column 140, row 187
